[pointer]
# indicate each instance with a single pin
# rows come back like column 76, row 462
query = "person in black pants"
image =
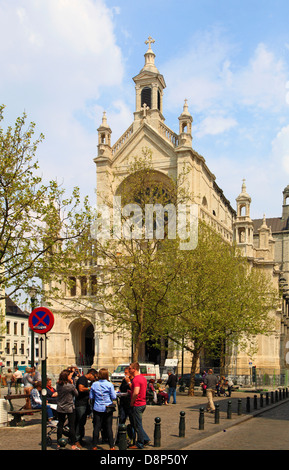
column 125, row 410
column 66, row 392
column 82, row 406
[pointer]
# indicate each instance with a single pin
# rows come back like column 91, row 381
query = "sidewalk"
column 29, row 436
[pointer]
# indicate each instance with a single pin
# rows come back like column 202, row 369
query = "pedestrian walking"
column 172, row 384
column 211, row 382
column 9, row 380
column 17, row 377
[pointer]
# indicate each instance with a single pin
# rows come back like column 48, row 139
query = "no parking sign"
column 41, row 320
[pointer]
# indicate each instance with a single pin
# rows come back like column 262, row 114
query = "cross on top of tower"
column 149, row 41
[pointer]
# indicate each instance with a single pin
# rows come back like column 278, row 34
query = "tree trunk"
column 195, row 359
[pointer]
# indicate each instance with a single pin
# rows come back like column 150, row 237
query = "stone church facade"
column 78, row 340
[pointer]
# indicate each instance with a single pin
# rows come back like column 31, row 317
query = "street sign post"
column 41, row 320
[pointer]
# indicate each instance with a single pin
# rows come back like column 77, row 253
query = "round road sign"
column 41, row 320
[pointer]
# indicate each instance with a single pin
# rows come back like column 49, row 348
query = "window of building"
column 72, row 283
column 146, row 97
column 83, row 285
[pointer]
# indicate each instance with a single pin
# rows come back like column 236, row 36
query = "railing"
column 168, row 134
column 125, row 136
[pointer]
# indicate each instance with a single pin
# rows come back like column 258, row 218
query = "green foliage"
column 38, row 224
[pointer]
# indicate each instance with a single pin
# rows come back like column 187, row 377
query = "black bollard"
column 255, row 402
column 217, row 413
column 276, row 396
column 157, row 433
column 229, row 410
column 283, row 393
column 201, row 419
column 272, row 398
column 122, row 440
column 182, row 425
column 261, row 400
column 267, row 398
column 239, row 406
column 248, row 405
column 286, row 392
column 280, row 394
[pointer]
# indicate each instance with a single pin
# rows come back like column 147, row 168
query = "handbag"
column 111, row 407
column 108, row 408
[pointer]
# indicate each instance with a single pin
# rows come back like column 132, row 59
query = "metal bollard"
column 255, row 402
column 201, row 419
column 267, row 398
column 286, row 392
column 248, row 405
column 182, row 425
column 280, row 394
column 276, row 396
column 157, row 432
column 229, row 410
column 272, row 397
column 217, row 413
column 283, row 393
column 261, row 400
column 239, row 406
column 122, row 440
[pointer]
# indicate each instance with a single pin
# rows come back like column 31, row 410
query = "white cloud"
column 209, row 75
column 59, row 56
column 262, row 82
column 280, row 149
column 213, row 125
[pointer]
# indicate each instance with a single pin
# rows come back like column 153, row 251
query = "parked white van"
column 149, row 371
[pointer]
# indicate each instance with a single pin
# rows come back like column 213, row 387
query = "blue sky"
column 66, row 61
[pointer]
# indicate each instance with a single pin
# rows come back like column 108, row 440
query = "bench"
column 17, row 414
column 150, row 398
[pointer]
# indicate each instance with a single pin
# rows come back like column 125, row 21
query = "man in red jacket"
column 138, row 404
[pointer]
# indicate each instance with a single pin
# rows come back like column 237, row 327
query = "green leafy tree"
column 222, row 299
column 39, row 225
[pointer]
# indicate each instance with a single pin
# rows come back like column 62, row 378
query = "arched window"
column 159, row 100
column 146, row 97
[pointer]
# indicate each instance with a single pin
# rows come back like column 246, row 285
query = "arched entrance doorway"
column 82, row 334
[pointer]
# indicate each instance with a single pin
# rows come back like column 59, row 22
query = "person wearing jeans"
column 138, row 404
column 172, row 383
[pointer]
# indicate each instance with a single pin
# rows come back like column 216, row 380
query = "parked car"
column 186, row 379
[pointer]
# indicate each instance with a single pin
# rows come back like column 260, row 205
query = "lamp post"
column 32, row 295
column 14, row 351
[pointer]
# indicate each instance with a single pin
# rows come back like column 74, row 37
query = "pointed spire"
column 104, row 120
column 150, row 57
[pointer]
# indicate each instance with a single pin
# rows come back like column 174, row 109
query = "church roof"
column 276, row 224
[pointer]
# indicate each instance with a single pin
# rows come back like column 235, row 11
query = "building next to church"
column 77, row 339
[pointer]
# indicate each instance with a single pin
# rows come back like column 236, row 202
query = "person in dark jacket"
column 211, row 383
column 66, row 392
column 172, row 384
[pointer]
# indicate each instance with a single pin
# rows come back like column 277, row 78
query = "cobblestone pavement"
column 266, row 431
column 213, row 436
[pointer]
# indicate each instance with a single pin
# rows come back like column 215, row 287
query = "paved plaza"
column 263, row 427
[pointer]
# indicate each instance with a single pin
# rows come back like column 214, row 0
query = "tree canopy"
column 39, row 224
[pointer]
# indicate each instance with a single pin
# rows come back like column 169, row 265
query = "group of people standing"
column 95, row 392
column 76, row 396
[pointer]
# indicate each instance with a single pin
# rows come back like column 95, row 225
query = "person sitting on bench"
column 36, row 400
